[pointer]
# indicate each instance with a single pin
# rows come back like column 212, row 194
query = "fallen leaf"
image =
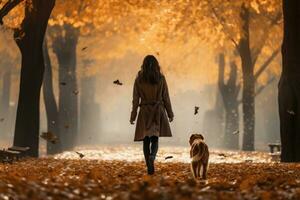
column 79, row 154
column 50, row 137
column 168, row 157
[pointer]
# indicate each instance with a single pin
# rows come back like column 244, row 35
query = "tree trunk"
column 232, row 128
column 248, row 83
column 6, row 91
column 248, row 105
column 89, row 111
column 5, row 111
column 65, row 50
column 248, row 111
column 289, row 85
column 229, row 92
column 30, row 41
column 213, row 122
column 50, row 104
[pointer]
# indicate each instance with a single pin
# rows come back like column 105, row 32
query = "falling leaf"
column 75, row 92
column 117, row 82
column 291, row 112
column 84, row 48
column 196, row 110
column 63, row 83
column 236, row 132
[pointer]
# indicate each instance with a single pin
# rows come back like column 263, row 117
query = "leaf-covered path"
column 49, row 178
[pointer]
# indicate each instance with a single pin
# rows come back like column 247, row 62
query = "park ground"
column 119, row 173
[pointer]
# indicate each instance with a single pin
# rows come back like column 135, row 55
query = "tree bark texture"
column 30, row 41
column 289, row 85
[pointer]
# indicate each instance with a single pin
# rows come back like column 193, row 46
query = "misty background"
column 105, row 118
column 90, row 48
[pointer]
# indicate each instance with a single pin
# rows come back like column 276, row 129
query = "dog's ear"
column 192, row 138
column 200, row 136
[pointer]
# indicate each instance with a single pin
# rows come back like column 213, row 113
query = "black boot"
column 146, row 149
column 151, row 168
column 154, row 149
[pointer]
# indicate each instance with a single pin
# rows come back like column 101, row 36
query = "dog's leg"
column 200, row 168
column 194, row 169
column 204, row 172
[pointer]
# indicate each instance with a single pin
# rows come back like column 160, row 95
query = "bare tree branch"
column 233, row 75
column 261, row 88
column 223, row 24
column 266, row 64
column 7, row 8
column 81, row 7
column 221, row 72
column 277, row 20
column 257, row 51
column 238, row 88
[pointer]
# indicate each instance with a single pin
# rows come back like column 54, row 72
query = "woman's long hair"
column 150, row 71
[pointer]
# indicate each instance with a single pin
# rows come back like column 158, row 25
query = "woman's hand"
column 131, row 122
column 171, row 119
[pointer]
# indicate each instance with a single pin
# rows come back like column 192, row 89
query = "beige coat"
column 154, row 103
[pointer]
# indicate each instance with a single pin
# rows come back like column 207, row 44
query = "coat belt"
column 151, row 103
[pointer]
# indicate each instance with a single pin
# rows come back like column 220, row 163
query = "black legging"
column 150, row 147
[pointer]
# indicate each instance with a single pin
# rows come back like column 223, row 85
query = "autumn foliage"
column 81, row 179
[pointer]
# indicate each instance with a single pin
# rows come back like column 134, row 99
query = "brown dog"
column 199, row 154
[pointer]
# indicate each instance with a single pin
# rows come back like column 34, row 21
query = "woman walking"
column 150, row 93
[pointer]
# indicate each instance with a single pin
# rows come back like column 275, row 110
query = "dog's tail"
column 198, row 149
